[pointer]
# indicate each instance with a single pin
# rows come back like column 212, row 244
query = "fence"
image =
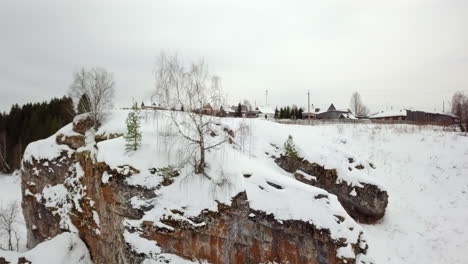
column 314, row 122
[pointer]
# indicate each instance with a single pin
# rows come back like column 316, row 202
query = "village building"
column 390, row 115
column 333, row 113
column 417, row 116
column 208, row 110
column 432, row 117
column 251, row 114
column 309, row 115
column 265, row 112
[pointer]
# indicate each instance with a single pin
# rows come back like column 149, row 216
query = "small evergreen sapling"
column 133, row 136
column 290, row 148
column 239, row 110
column 84, row 105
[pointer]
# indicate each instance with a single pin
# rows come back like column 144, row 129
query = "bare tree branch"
column 8, row 219
column 191, row 88
column 98, row 86
column 357, row 106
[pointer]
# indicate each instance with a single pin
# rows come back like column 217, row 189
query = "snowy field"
column 423, row 169
column 425, row 172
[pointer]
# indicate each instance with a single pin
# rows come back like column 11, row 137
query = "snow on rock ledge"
column 365, row 202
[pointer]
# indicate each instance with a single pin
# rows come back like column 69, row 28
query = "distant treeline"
column 28, row 123
column 288, row 113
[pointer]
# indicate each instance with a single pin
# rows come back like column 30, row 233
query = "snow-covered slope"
column 227, row 164
column 424, row 170
column 64, row 248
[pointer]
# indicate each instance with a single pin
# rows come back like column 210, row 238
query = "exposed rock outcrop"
column 73, row 141
column 366, row 203
column 238, row 234
column 82, row 123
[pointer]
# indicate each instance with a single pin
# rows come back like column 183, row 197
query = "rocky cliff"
column 126, row 213
column 365, row 202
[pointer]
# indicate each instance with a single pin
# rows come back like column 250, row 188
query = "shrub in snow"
column 168, row 173
column 133, row 136
column 290, row 148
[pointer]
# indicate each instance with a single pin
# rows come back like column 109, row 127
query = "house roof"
column 327, row 108
column 435, row 112
column 266, row 110
column 348, row 116
column 229, row 109
column 208, row 106
column 390, row 113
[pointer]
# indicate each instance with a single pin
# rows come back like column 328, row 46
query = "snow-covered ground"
column 10, row 188
column 424, row 170
column 64, row 248
column 226, row 166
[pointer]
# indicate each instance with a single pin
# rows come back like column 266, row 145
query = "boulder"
column 73, row 141
column 82, row 123
column 365, row 203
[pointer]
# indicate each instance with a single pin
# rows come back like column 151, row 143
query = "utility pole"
column 266, row 98
column 308, row 105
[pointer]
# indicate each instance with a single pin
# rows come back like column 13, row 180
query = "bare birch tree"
column 8, row 223
column 98, row 86
column 191, row 88
column 460, row 109
column 357, row 106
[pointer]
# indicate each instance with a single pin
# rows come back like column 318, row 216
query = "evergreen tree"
column 299, row 113
column 29, row 123
column 84, row 104
column 288, row 112
column 290, row 148
column 133, row 136
column 276, row 113
column 239, row 110
column 142, row 104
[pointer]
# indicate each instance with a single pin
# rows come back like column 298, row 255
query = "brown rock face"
column 97, row 204
column 73, row 142
column 109, row 202
column 81, row 124
column 232, row 236
column 367, row 206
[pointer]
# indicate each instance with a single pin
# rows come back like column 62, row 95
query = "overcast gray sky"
column 400, row 53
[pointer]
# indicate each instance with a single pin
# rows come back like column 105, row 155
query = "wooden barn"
column 417, row 116
column 431, row 117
